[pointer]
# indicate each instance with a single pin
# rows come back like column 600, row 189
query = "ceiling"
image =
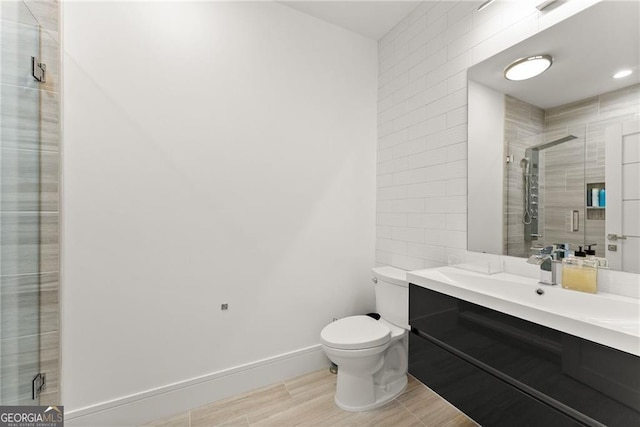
column 372, row 19
column 588, row 48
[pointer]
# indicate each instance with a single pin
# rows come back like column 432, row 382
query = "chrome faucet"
column 544, row 259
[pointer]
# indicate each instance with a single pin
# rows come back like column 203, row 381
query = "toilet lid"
column 354, row 333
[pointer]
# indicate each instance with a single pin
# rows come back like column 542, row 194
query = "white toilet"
column 372, row 354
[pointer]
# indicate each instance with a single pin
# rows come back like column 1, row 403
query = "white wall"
column 486, row 169
column 422, row 120
column 213, row 153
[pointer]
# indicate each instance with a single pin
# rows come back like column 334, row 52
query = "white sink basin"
column 607, row 319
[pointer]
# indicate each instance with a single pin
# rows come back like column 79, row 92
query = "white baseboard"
column 175, row 398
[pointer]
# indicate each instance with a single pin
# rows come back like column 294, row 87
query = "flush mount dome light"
column 525, row 68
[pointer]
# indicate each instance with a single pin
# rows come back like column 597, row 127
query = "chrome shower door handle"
column 38, row 70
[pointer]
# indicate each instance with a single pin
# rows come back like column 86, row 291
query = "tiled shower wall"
column 567, row 171
column 590, row 116
column 422, row 120
column 29, row 210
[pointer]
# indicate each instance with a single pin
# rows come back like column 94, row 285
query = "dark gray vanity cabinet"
column 504, row 371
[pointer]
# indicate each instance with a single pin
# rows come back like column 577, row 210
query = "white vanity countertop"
column 608, row 319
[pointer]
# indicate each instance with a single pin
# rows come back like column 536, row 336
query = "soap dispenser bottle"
column 580, row 273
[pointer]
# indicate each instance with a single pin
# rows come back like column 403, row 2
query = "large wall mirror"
column 556, row 158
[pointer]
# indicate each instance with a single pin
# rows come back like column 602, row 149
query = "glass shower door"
column 545, row 196
column 19, row 206
column 562, row 160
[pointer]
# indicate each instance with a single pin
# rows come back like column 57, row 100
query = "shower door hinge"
column 38, row 70
column 510, row 158
column 38, row 385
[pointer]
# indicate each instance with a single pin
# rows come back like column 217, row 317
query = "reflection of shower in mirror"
column 580, row 98
column 530, row 175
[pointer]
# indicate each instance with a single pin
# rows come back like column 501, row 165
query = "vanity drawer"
column 588, row 382
column 486, row 399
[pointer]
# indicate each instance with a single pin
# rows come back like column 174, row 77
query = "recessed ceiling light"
column 526, row 68
column 622, row 73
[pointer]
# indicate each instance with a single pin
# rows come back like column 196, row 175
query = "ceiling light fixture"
column 526, row 68
column 485, row 4
column 622, row 73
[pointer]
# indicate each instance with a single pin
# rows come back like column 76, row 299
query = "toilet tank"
column 392, row 295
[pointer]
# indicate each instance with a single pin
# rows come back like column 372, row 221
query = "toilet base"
column 383, row 395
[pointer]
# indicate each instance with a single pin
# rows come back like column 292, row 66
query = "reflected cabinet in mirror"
column 555, row 159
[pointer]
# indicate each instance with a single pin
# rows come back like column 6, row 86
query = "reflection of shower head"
column 553, row 143
column 524, row 164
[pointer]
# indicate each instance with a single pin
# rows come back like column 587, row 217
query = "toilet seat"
column 355, row 333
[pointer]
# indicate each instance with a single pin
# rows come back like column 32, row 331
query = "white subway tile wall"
column 422, row 120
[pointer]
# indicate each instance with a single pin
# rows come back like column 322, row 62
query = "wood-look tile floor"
column 308, row 401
